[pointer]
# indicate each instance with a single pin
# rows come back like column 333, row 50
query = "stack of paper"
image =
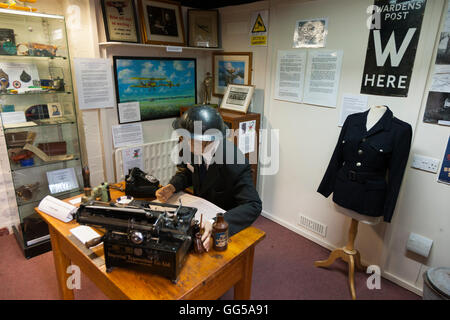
column 208, row 209
column 57, row 208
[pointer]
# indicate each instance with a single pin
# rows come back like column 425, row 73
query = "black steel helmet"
column 200, row 119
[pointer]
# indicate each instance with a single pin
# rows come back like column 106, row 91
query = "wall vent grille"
column 313, row 225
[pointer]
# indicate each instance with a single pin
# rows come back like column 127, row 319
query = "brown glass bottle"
column 220, row 233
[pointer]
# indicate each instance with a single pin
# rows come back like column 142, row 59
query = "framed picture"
column 161, row 22
column 120, row 21
column 231, row 68
column 203, row 28
column 237, row 97
column 54, row 110
column 160, row 85
column 310, row 33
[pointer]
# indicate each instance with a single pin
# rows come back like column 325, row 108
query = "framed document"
column 161, row 22
column 231, row 68
column 237, row 98
column 203, row 28
column 62, row 180
column 120, row 20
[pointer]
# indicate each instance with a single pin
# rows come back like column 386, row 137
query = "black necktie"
column 202, row 171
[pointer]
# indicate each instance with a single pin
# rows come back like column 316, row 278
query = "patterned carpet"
column 283, row 270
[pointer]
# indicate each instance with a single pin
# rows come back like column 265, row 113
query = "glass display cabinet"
column 38, row 117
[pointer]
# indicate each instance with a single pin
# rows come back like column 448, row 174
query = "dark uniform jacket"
column 228, row 186
column 366, row 169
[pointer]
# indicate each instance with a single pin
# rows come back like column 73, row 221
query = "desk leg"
column 242, row 288
column 61, row 264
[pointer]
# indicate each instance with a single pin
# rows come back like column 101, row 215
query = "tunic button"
column 360, row 152
column 358, row 164
column 343, row 141
column 364, row 140
column 381, row 150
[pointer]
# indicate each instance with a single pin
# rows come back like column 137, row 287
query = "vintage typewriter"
column 147, row 234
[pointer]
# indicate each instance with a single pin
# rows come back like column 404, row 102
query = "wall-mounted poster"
column 120, row 20
column 438, row 108
column 310, row 33
column 290, row 75
column 159, row 85
column 323, row 73
column 438, row 104
column 444, row 175
column 392, row 47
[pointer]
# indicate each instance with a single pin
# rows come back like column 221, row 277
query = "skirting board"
column 320, row 241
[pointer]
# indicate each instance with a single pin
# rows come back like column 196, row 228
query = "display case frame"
column 39, row 118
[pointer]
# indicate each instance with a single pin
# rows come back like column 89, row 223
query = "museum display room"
column 262, row 150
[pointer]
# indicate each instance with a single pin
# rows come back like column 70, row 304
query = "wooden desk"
column 206, row 276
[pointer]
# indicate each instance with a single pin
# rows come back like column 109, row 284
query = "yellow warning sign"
column 259, row 25
column 258, row 40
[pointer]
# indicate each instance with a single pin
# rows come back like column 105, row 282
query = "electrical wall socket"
column 425, row 163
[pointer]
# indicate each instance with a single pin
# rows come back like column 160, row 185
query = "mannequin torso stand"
column 348, row 253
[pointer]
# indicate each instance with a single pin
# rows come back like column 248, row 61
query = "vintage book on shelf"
column 38, row 83
column 245, row 129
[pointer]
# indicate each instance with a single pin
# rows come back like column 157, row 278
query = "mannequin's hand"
column 206, row 236
column 163, row 194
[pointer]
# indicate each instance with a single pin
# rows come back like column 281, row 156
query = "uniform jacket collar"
column 383, row 124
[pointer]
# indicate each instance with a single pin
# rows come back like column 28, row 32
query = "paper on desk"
column 13, row 117
column 208, row 209
column 84, row 234
column 75, row 201
column 57, row 208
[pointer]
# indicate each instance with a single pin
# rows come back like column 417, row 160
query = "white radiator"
column 156, row 160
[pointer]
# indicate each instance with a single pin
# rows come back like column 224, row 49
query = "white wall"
column 308, row 136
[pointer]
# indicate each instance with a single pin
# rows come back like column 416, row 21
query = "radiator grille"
column 157, row 160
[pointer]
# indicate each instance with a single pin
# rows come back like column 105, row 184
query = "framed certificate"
column 203, row 26
column 120, row 21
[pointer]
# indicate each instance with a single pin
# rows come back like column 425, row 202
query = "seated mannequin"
column 374, row 115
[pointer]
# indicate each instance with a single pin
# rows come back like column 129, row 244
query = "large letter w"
column 391, row 48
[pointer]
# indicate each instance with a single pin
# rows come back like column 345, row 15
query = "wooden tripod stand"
column 349, row 255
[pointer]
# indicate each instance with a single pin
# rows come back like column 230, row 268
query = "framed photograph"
column 54, row 110
column 310, row 33
column 159, row 85
column 231, row 68
column 237, row 97
column 161, row 22
column 120, row 21
column 203, row 28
